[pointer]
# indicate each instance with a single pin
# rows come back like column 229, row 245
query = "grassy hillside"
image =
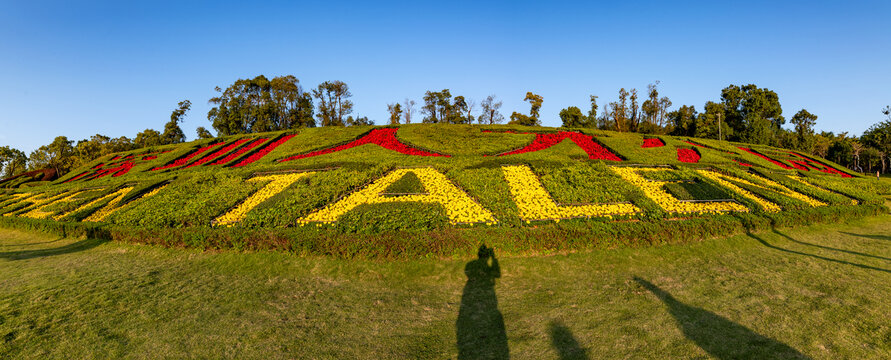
column 441, row 190
column 815, row 292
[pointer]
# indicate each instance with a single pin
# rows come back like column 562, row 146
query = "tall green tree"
column 878, row 136
column 655, row 111
column 804, row 123
column 754, row 113
column 147, row 138
column 682, row 121
column 203, row 133
column 59, row 155
column 437, row 106
column 173, row 134
column 618, row 112
column 334, row 103
column 535, row 102
column 258, row 104
column 490, row 114
column 592, row 112
column 12, row 162
column 573, row 117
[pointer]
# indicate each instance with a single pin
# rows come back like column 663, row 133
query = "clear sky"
column 117, row 68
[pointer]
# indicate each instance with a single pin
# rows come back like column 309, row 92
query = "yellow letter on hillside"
column 724, row 180
column 654, row 189
column 535, row 203
column 277, row 183
column 459, row 207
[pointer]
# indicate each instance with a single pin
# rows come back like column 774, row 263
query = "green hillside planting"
column 440, row 190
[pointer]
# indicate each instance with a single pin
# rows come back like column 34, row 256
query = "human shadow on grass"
column 566, row 344
column 718, row 336
column 765, row 243
column 74, row 247
column 874, row 237
column 829, row 247
column 480, row 325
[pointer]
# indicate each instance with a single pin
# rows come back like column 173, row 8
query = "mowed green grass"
column 812, row 292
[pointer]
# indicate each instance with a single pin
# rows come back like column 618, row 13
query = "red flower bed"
column 263, row 151
column 184, row 160
column 688, row 155
column 218, row 153
column 78, row 176
column 151, row 157
column 385, row 138
column 652, row 142
column 820, row 166
column 240, row 152
column 758, row 154
column 586, row 142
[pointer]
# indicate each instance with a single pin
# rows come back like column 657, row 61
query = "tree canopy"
column 260, row 104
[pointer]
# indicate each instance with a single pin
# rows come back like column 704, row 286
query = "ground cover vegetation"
column 744, row 113
column 815, row 292
column 439, row 189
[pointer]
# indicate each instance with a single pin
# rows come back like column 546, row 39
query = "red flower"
column 385, row 138
column 778, row 163
column 219, row 153
column 241, row 151
column 265, row 150
column 688, row 155
column 586, row 142
column 184, row 160
column 152, row 157
column 652, row 142
column 820, row 166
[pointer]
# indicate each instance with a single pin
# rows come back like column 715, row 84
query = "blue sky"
column 117, row 68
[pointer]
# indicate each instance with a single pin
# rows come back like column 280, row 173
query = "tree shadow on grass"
column 66, row 249
column 718, row 336
column 765, row 243
column 480, row 325
column 874, row 237
column 829, row 247
column 567, row 346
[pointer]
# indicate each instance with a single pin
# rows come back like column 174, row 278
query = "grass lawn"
column 815, row 292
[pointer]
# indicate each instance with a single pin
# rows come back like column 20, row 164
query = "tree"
column 203, row 133
column 655, row 111
column 682, row 121
column 333, row 102
column 490, row 114
column 461, row 109
column 408, row 110
column 878, row 136
column 258, row 104
column 753, row 113
column 395, row 111
column 437, row 106
column 532, row 120
column 710, row 124
column 12, row 162
column 635, row 117
column 618, row 112
column 147, row 138
column 173, row 134
column 592, row 114
column 59, row 155
column 573, row 118
column 804, row 130
column 350, row 121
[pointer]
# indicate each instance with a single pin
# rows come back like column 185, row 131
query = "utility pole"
column 720, row 131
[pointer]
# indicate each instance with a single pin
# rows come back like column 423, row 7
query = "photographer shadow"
column 480, row 325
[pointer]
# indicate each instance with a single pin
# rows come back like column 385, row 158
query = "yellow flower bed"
column 38, row 213
column 653, row 189
column 766, row 205
column 277, row 183
column 41, row 201
column 801, row 180
column 459, row 207
column 534, row 202
column 17, row 198
column 109, row 208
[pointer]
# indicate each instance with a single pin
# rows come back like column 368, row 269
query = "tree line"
column 744, row 113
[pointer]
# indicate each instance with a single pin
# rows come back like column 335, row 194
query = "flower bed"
column 654, row 190
column 185, row 159
column 218, row 153
column 543, row 141
column 264, row 151
column 535, row 203
column 385, row 138
column 688, row 155
column 459, row 207
column 652, row 142
column 276, row 184
column 765, row 157
column 239, row 152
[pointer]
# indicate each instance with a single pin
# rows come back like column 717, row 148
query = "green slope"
column 175, row 194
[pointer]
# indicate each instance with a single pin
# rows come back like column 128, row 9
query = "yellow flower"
column 277, row 183
column 535, row 203
column 653, row 189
